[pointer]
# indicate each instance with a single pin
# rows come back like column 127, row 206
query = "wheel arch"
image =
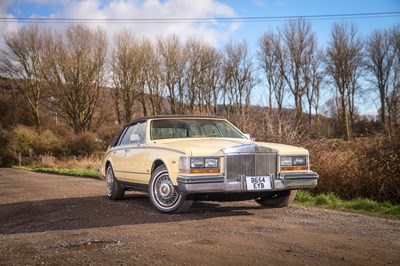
column 171, row 166
column 108, row 163
column 158, row 163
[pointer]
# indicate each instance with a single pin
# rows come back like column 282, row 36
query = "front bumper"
column 215, row 184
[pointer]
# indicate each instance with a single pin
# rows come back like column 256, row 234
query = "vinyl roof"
column 145, row 118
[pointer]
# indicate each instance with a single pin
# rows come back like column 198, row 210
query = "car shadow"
column 99, row 211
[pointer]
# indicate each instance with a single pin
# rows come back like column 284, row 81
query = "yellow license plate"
column 258, row 182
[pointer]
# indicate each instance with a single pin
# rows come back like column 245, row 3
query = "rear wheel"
column 278, row 199
column 163, row 195
column 113, row 188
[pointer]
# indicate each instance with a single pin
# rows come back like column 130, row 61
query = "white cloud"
column 370, row 112
column 4, row 25
column 213, row 33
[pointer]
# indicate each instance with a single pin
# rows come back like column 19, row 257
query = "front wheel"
column 278, row 199
column 163, row 195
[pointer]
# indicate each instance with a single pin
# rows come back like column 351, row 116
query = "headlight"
column 199, row 165
column 292, row 163
column 286, row 160
column 299, row 160
column 211, row 163
column 196, row 162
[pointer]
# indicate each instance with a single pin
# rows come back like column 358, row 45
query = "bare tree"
column 212, row 76
column 393, row 97
column 313, row 91
column 270, row 57
column 194, row 74
column 381, row 59
column 124, row 73
column 77, row 62
column 299, row 45
column 238, row 76
column 154, row 86
column 173, row 67
column 21, row 64
column 202, row 76
column 141, row 76
column 344, row 58
column 383, row 47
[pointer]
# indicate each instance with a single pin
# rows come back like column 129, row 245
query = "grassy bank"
column 62, row 171
column 357, row 205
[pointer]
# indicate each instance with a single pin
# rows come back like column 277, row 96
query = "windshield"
column 193, row 128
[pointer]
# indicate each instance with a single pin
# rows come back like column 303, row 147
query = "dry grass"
column 90, row 162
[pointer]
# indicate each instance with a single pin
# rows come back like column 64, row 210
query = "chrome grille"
column 256, row 164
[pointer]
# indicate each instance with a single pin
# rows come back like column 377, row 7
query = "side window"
column 141, row 131
column 126, row 138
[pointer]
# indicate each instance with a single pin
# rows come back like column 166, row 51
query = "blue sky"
column 322, row 28
column 215, row 33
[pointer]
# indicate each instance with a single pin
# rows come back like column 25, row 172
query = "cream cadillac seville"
column 179, row 159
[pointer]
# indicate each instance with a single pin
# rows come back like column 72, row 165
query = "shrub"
column 23, row 140
column 380, row 171
column 106, row 135
column 28, row 142
column 364, row 168
column 7, row 158
column 48, row 143
column 84, row 144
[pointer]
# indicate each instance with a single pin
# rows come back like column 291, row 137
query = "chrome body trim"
column 142, row 146
column 250, row 164
column 130, row 172
column 296, row 176
column 200, row 179
column 248, row 148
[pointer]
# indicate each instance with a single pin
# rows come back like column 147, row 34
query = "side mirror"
column 135, row 138
column 247, row 136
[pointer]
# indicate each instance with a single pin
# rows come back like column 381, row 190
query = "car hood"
column 221, row 146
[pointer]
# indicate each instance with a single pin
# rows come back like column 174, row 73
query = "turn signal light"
column 294, row 168
column 197, row 171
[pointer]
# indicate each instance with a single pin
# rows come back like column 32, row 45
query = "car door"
column 135, row 157
column 119, row 153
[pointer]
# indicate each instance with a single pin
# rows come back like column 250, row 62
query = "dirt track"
column 53, row 220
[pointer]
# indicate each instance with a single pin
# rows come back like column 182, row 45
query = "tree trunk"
column 346, row 130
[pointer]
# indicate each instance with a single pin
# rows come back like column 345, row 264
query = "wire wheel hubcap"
column 164, row 191
column 110, row 181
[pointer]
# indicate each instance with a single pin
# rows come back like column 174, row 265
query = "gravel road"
column 59, row 220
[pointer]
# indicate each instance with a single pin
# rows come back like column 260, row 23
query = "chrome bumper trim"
column 290, row 176
column 200, row 179
column 211, row 184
